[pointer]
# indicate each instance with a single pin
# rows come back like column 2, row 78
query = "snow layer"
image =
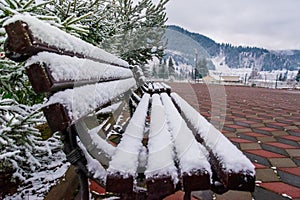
column 72, row 68
column 232, row 159
column 190, row 155
column 126, row 157
column 83, row 100
column 100, row 143
column 56, row 37
column 93, row 165
column 160, row 146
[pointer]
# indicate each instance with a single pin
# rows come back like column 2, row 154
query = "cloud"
column 273, row 24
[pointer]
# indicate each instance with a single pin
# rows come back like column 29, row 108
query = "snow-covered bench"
column 165, row 146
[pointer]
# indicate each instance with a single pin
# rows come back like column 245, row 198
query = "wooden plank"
column 57, row 117
column 22, row 44
column 118, row 184
column 198, row 180
column 39, row 78
column 232, row 181
column 160, row 187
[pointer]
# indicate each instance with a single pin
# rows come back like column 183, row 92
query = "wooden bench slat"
column 191, row 155
column 59, row 72
column 80, row 101
column 124, row 163
column 161, row 170
column 226, row 159
column 28, row 36
column 95, row 145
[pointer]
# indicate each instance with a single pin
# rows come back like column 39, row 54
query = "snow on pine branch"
column 24, row 151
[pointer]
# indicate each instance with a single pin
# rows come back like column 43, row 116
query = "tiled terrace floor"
column 264, row 124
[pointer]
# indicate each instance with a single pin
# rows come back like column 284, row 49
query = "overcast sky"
column 272, row 24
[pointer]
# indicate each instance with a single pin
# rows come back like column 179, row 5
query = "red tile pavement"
column 291, row 137
column 255, row 134
column 267, row 129
column 177, row 196
column 282, row 188
column 235, row 126
column 265, row 112
column 259, row 166
column 240, row 140
column 291, row 170
column 266, row 154
column 281, row 145
column 95, row 187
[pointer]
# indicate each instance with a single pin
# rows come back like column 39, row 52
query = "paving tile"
column 282, row 162
column 258, row 130
column 250, row 146
column 291, row 137
column 263, row 194
column 266, row 175
column 257, row 125
column 266, row 139
column 277, row 126
column 287, row 141
column 291, row 128
column 268, row 129
column 203, row 195
column 244, row 130
column 294, row 132
column 275, row 149
column 234, row 195
column 254, row 134
column 259, row 166
column 258, row 159
column 291, row 170
column 95, row 187
column 293, row 152
column 279, row 133
column 282, row 188
column 266, row 154
column 297, row 161
column 177, row 196
column 280, row 145
column 240, row 140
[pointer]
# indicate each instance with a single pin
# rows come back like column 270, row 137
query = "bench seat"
column 161, row 143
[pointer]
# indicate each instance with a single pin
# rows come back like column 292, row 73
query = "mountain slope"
column 183, row 45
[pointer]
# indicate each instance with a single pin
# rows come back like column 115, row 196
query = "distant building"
column 231, row 79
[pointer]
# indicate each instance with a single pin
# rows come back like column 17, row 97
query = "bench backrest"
column 74, row 72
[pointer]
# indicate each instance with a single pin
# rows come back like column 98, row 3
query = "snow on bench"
column 194, row 167
column 82, row 80
column 161, row 173
column 40, row 36
column 81, row 101
column 124, row 163
column 233, row 168
column 65, row 71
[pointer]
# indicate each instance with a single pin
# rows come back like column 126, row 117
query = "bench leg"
column 187, row 195
column 84, row 185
